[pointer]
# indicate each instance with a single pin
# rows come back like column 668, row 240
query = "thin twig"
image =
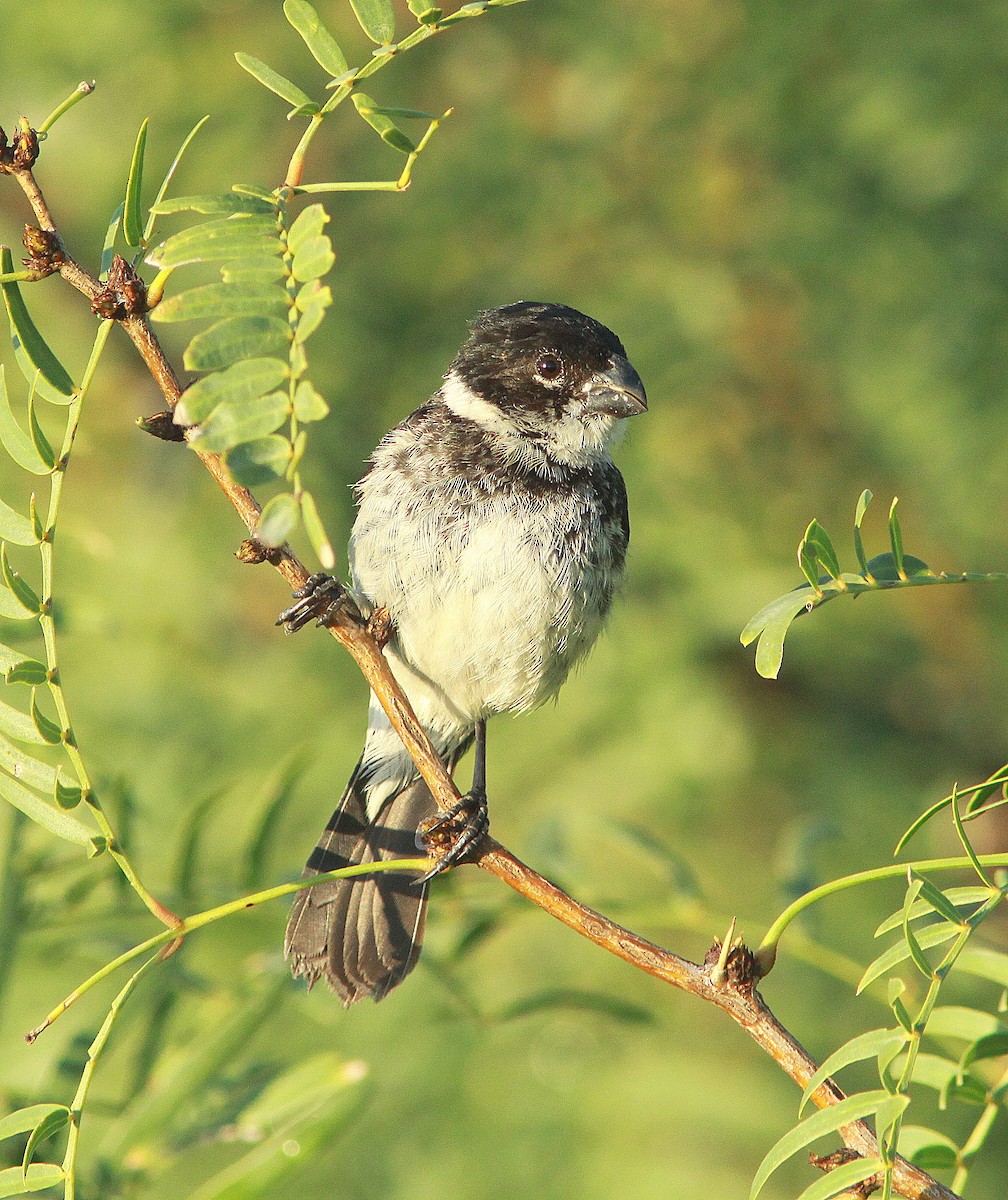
column 732, row 990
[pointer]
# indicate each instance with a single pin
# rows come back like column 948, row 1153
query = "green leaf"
column 14, row 439
column 995, row 782
column 320, row 42
column 423, row 11
column 169, row 174
column 49, row 731
column 254, row 190
column 896, row 537
column 204, row 1062
column 258, row 298
column 771, row 625
column 576, row 1000
column 51, row 1124
column 39, row 440
column 236, row 338
column 309, row 323
column 934, row 935
column 67, row 795
column 825, row 1121
column 27, row 670
column 16, row 528
column 26, row 769
column 313, row 295
column 8, row 657
column 35, row 515
column 988, row 964
column 213, row 241
column 308, row 224
column 11, row 608
column 254, row 272
column 894, row 991
column 57, row 822
column 960, row 829
column 992, row 1045
column 13, row 1182
column 377, row 19
column 820, row 541
column 308, row 404
column 261, row 461
column 278, row 520
column 313, row 259
column 312, row 1104
column 230, row 424
column 384, row 126
column 859, row 513
column 406, row 114
column 917, row 954
column 316, row 531
column 32, row 345
column 312, row 301
column 970, row 1024
column 189, row 839
column 927, row 1149
column 19, row 726
column 216, row 202
column 237, row 385
column 277, row 797
column 841, row 1179
column 884, row 567
column 25, row 1119
column 961, row 897
column 944, row 1077
column 934, row 896
column 132, row 219
column 864, row 1046
column 276, row 82
column 17, row 585
column 108, row 246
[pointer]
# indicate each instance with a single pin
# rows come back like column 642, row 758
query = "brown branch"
column 726, row 979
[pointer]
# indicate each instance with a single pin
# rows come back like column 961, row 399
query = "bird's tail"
column 363, row 936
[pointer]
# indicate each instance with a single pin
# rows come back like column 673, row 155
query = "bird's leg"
column 319, row 600
column 453, row 834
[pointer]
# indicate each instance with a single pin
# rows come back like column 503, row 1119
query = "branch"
column 728, row 976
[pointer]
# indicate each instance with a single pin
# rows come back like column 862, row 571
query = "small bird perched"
column 492, row 530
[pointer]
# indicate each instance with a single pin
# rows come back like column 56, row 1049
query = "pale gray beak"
column 617, row 391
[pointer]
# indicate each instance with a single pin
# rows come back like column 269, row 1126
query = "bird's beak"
column 616, row 391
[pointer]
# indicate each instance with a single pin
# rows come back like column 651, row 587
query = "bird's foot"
column 453, row 835
column 319, row 600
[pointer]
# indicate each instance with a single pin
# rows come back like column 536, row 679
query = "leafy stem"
column 48, row 627
column 198, row 920
column 825, row 581
column 767, row 950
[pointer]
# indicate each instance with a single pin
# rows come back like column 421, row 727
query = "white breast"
column 483, row 608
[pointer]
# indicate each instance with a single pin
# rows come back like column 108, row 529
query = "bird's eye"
column 549, row 368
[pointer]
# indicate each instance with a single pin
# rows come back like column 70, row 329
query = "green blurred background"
column 794, row 216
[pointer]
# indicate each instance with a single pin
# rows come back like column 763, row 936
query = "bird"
column 491, row 535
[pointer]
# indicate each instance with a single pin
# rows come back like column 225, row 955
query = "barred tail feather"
column 363, row 936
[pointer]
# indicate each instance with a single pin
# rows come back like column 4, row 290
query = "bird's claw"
column 453, row 835
column 319, row 600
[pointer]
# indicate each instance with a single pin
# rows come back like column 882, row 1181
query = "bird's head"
column 546, row 374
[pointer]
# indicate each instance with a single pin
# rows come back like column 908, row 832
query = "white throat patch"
column 463, row 401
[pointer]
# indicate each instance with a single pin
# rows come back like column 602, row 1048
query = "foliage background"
column 795, row 219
